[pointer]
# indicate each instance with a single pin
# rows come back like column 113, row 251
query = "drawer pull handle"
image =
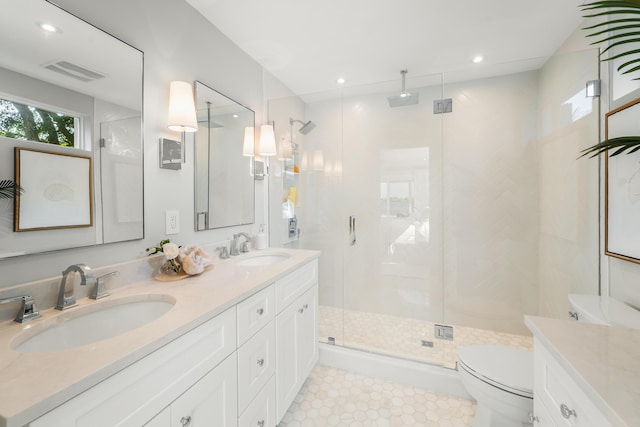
column 261, row 423
column 566, row 412
column 260, row 362
column 574, row 315
column 260, row 311
column 185, row 421
column 305, row 306
column 301, row 310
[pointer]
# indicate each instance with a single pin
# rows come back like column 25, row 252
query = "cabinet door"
column 286, row 359
column 307, row 331
column 212, row 401
column 296, row 348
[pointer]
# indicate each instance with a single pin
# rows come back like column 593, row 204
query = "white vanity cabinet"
column 242, row 367
column 179, row 377
column 296, row 333
column 558, row 400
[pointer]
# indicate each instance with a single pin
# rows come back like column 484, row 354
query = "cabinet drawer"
column 261, row 412
column 256, row 365
column 255, row 312
column 565, row 401
column 134, row 395
column 290, row 287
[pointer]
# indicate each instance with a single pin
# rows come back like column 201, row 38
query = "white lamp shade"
column 182, row 109
column 267, row 141
column 249, row 141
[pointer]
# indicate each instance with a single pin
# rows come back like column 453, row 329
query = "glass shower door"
column 369, row 197
column 392, row 202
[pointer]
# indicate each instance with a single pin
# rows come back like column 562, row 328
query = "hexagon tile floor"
column 333, row 397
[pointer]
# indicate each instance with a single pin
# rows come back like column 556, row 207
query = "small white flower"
column 171, row 250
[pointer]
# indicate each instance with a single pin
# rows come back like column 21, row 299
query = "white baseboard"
column 433, row 378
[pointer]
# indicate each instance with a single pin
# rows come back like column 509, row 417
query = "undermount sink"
column 259, row 259
column 92, row 323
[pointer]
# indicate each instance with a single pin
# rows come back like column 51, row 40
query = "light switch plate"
column 172, row 219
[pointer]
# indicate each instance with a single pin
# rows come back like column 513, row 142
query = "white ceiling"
column 77, row 42
column 308, row 44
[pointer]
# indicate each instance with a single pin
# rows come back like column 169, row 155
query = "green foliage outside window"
column 20, row 121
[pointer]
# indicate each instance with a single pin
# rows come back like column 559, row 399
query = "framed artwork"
column 58, row 190
column 622, row 187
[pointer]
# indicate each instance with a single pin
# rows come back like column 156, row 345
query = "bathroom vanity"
column 234, row 349
column 585, row 375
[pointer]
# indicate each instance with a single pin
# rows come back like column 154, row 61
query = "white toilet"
column 500, row 379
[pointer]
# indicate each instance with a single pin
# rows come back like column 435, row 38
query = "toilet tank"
column 603, row 310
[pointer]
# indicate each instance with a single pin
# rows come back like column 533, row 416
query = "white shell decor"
column 193, row 259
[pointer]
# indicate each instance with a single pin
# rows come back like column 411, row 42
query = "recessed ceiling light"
column 235, row 116
column 478, row 59
column 341, row 80
column 49, row 28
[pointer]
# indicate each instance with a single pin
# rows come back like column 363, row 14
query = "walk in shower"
column 442, row 222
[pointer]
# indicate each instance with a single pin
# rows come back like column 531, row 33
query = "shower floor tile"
column 333, row 397
column 403, row 337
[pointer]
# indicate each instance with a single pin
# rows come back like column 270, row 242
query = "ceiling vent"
column 74, row 71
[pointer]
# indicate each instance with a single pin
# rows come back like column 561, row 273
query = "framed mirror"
column 224, row 183
column 70, row 90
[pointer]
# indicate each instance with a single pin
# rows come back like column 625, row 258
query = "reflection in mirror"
column 224, row 184
column 69, row 88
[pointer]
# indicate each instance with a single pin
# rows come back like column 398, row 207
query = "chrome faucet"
column 66, row 299
column 236, row 241
column 28, row 310
column 100, row 289
column 224, row 252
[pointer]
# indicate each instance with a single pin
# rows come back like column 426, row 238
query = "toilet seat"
column 507, row 368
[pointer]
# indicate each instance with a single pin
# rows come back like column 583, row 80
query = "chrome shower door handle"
column 352, row 230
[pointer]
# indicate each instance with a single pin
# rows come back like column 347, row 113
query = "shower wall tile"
column 491, row 202
column 569, row 208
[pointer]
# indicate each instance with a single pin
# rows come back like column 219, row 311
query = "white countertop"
column 34, row 383
column 603, row 360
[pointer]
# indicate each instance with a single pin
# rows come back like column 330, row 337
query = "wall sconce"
column 248, row 145
column 266, row 149
column 267, row 141
column 182, row 110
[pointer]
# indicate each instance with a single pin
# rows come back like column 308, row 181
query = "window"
column 21, row 121
column 396, row 198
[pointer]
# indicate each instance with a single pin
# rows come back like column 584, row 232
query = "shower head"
column 306, row 127
column 404, row 98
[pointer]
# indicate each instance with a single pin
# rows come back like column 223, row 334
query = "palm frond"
column 9, row 189
column 620, row 145
column 619, row 33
